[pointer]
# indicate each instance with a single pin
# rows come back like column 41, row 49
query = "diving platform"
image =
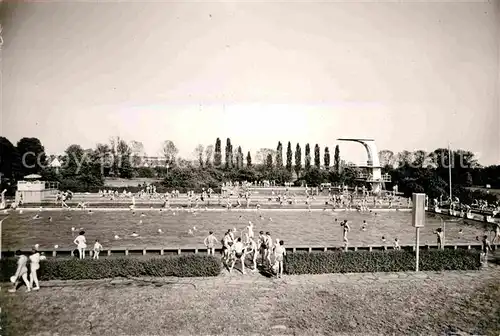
column 373, row 176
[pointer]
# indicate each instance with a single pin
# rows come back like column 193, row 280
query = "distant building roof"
column 55, row 163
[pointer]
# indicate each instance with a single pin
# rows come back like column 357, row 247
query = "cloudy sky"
column 410, row 75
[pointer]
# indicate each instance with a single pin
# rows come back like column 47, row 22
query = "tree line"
column 86, row 169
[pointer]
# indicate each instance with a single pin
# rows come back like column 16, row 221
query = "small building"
column 32, row 190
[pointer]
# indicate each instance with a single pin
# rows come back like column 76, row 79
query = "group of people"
column 33, row 260
column 81, row 245
column 234, row 250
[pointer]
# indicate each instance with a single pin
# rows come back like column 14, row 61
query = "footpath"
column 491, row 271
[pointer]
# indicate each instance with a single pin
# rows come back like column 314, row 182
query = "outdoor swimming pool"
column 296, row 228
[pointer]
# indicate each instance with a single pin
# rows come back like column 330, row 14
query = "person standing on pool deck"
column 346, row 229
column 439, row 236
column 81, row 244
column 227, row 242
column 210, row 242
column 97, row 249
column 269, row 244
column 279, row 255
column 252, row 248
column 34, row 267
column 485, row 248
column 497, row 233
column 262, row 243
column 239, row 254
column 21, row 272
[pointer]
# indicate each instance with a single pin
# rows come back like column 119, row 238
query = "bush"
column 75, row 269
column 380, row 261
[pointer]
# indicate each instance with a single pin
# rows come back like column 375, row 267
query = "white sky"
column 410, row 75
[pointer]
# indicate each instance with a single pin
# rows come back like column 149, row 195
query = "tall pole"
column 417, row 245
column 449, row 171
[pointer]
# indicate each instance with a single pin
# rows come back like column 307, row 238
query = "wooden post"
column 294, row 250
column 161, row 252
column 126, row 252
column 195, row 251
column 144, row 252
column 178, row 251
column 310, row 249
column 370, row 248
column 54, row 253
column 109, row 252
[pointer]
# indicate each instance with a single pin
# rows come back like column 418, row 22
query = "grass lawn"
column 370, row 304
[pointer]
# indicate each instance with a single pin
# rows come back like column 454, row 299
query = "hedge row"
column 380, row 261
column 75, row 269
column 296, row 263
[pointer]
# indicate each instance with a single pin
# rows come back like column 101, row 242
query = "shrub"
column 75, row 269
column 380, row 261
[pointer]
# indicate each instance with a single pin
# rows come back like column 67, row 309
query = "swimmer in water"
column 37, row 216
column 364, row 226
column 134, row 234
column 383, row 239
column 50, row 219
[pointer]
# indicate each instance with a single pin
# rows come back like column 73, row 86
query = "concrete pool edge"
column 157, row 251
column 202, row 210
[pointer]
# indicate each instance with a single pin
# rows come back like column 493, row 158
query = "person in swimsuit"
column 269, row 244
column 21, row 272
column 279, row 255
column 485, row 248
column 238, row 249
column 346, row 230
column 227, row 242
column 497, row 234
column 97, row 249
column 396, row 244
column 252, row 248
column 34, row 267
column 81, row 244
column 262, row 246
column 250, row 229
column 210, row 242
column 439, row 236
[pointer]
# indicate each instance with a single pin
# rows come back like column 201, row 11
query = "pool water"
column 296, row 228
